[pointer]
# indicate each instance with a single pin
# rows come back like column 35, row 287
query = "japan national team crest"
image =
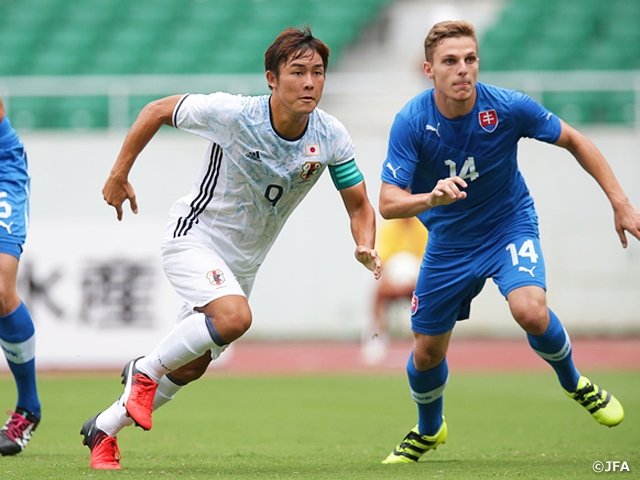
column 215, row 277
column 309, row 169
column 488, row 120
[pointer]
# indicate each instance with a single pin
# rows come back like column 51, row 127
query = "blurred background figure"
column 401, row 244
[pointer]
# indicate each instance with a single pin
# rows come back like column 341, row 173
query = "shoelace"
column 15, row 426
column 109, row 447
column 587, row 394
column 592, row 399
column 144, row 395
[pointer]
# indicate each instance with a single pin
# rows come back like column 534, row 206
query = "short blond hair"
column 447, row 29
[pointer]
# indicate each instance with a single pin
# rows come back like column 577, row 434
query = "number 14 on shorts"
column 526, row 250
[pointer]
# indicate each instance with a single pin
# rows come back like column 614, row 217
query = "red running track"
column 464, row 355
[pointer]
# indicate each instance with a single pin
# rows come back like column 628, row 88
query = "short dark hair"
column 447, row 29
column 294, row 43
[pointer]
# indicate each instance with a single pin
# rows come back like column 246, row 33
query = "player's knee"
column 9, row 299
column 425, row 358
column 233, row 325
column 533, row 320
column 231, row 317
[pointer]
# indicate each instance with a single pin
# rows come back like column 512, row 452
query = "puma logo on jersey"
column 433, row 129
column 393, row 170
column 529, row 271
column 8, row 227
column 253, row 156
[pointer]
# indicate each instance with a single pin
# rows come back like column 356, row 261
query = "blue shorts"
column 450, row 278
column 14, row 200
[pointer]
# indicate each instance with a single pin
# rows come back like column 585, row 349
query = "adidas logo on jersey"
column 253, row 156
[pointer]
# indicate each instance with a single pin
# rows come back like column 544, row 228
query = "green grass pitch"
column 334, row 427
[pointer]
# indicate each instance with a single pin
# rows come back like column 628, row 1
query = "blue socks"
column 427, row 389
column 17, row 339
column 554, row 346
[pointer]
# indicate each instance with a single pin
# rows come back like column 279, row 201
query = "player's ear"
column 428, row 71
column 272, row 80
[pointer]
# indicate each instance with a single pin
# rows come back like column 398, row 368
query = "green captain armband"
column 346, row 174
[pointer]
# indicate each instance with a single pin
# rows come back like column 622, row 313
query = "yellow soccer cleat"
column 414, row 445
column 602, row 406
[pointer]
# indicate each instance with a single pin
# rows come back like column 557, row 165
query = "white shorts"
column 198, row 273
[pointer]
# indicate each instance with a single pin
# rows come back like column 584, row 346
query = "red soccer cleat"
column 139, row 391
column 105, row 454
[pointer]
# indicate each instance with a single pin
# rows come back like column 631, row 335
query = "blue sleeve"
column 533, row 120
column 402, row 154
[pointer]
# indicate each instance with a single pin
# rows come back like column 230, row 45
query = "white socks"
column 115, row 418
column 190, row 339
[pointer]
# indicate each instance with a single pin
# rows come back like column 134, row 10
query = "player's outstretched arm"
column 626, row 216
column 398, row 203
column 363, row 226
column 117, row 188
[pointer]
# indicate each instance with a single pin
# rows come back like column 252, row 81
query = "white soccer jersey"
column 251, row 179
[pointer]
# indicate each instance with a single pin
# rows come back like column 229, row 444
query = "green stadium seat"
column 82, row 113
column 159, row 13
column 605, row 56
column 173, row 59
column 30, row 113
column 227, row 60
column 573, row 107
column 52, row 62
column 122, row 37
column 114, row 61
column 616, row 108
column 64, row 53
column 9, row 64
column 16, row 44
column 216, row 14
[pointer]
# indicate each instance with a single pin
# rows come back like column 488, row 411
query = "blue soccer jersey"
column 14, row 191
column 480, row 147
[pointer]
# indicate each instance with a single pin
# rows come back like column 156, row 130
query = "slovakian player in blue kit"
column 452, row 162
column 17, row 333
column 265, row 155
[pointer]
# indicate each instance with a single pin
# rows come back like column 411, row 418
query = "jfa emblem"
column 414, row 304
column 309, row 169
column 215, row 277
column 488, row 120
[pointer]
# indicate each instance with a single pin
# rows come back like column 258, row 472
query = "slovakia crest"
column 414, row 304
column 488, row 120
